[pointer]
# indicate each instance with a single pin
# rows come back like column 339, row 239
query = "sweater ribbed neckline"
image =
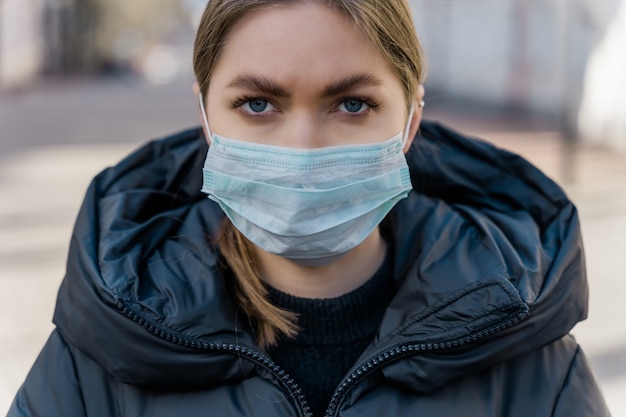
column 351, row 316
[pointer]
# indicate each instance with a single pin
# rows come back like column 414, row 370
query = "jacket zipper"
column 382, row 359
column 407, row 349
column 252, row 355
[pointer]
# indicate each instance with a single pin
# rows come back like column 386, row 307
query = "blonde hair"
column 386, row 23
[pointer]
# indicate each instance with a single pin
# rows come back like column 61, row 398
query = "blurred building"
column 565, row 59
column 602, row 113
column 20, row 42
column 41, row 38
column 518, row 52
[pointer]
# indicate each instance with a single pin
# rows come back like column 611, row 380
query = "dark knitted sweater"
column 333, row 334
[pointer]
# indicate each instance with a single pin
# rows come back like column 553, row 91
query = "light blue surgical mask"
column 308, row 205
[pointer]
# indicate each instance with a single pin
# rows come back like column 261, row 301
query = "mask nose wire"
column 204, row 117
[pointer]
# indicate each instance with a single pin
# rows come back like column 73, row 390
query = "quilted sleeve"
column 51, row 388
column 580, row 395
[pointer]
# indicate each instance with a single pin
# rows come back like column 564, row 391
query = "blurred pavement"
column 54, row 138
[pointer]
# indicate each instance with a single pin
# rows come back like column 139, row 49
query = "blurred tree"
column 69, row 28
column 85, row 36
column 127, row 29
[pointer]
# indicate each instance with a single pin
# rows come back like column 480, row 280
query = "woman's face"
column 302, row 76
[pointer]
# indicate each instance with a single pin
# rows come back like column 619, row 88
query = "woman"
column 314, row 281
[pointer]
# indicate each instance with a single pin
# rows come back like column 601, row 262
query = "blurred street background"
column 83, row 82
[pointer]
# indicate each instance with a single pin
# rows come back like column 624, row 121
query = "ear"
column 416, row 117
column 196, row 91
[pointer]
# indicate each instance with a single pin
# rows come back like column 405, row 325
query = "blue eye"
column 353, row 105
column 256, row 105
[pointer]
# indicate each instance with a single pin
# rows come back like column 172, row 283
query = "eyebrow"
column 267, row 86
column 350, row 83
column 262, row 84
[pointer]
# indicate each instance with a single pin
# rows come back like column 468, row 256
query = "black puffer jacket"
column 489, row 266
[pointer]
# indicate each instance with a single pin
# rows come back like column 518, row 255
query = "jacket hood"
column 488, row 263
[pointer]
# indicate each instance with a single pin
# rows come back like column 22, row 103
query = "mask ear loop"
column 204, row 116
column 405, row 138
column 408, row 125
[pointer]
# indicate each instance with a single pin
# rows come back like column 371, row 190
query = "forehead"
column 299, row 40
